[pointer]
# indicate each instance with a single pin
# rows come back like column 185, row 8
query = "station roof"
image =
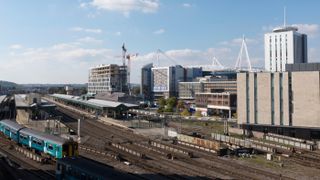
column 43, row 136
column 95, row 103
column 12, row 125
column 19, row 100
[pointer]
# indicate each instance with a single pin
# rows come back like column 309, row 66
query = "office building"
column 281, row 102
column 303, row 67
column 107, row 78
column 146, row 86
column 190, row 73
column 283, row 46
column 187, row 90
column 223, row 104
column 165, row 80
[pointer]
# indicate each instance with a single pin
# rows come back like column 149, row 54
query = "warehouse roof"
column 96, row 103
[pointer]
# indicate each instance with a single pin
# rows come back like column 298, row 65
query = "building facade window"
column 281, row 97
column 272, row 98
column 255, row 99
column 247, row 99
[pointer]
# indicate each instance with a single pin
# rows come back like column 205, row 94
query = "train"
column 45, row 144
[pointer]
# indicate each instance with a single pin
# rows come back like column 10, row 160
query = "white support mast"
column 244, row 47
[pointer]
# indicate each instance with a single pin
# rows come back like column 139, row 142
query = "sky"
column 57, row 41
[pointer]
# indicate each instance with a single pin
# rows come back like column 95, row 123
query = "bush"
column 160, row 110
column 198, row 114
column 172, row 102
column 185, row 112
column 168, row 109
column 162, row 102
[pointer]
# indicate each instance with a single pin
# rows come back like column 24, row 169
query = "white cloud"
column 87, row 30
column 89, row 40
column 83, row 5
column 127, row 6
column 15, row 46
column 312, row 30
column 186, row 5
column 238, row 41
column 159, row 31
column 58, row 63
column 117, row 33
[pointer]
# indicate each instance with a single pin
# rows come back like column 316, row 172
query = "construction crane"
column 127, row 57
column 159, row 51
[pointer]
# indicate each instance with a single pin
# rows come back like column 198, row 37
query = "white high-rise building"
column 284, row 46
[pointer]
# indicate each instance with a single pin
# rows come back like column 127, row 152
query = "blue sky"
column 56, row 41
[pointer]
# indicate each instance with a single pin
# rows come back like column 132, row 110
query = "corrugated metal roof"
column 2, row 98
column 12, row 125
column 43, row 136
column 93, row 102
column 19, row 100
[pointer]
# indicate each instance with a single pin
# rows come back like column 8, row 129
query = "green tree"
column 185, row 112
column 160, row 110
column 168, row 108
column 234, row 115
column 198, row 114
column 172, row 102
column 180, row 105
column 162, row 102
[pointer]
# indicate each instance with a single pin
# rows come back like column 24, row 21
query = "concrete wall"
column 241, row 98
column 264, row 98
column 306, row 99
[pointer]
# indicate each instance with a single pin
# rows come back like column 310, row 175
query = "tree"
column 198, row 114
column 168, row 109
column 180, row 105
column 172, row 102
column 83, row 90
column 160, row 110
column 185, row 112
column 162, row 102
column 235, row 115
column 135, row 90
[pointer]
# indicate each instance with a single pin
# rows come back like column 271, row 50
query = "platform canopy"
column 94, row 103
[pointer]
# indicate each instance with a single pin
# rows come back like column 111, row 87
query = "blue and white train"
column 51, row 145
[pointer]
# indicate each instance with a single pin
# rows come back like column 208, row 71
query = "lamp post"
column 79, row 138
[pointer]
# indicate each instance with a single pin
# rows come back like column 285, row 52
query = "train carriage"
column 49, row 144
column 11, row 129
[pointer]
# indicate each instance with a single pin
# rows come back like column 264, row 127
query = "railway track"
column 97, row 129
column 216, row 165
column 16, row 162
column 308, row 159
